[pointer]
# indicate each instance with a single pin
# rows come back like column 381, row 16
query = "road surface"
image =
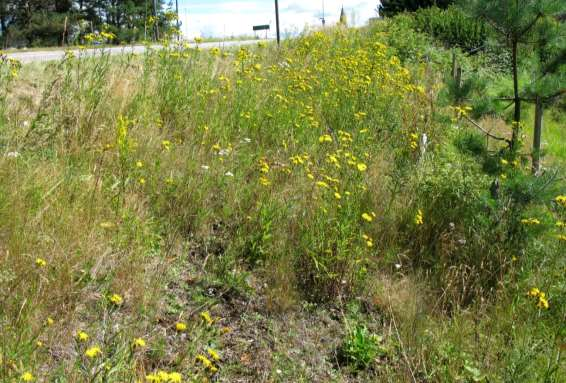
column 53, row 55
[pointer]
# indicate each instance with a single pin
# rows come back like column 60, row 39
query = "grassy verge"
column 268, row 215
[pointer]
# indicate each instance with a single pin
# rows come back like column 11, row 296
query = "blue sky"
column 236, row 17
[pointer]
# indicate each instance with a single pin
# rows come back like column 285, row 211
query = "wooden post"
column 453, row 65
column 539, row 110
column 64, row 32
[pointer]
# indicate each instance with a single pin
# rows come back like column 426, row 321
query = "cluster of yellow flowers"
column 561, row 200
column 419, row 220
column 209, row 365
column 164, row 377
column 530, row 221
column 99, row 37
column 542, row 301
column 413, row 142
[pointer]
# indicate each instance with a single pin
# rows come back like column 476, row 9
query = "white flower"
column 229, row 174
column 246, row 140
column 205, row 167
column 13, row 154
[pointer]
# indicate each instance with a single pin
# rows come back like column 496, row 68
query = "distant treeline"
column 27, row 23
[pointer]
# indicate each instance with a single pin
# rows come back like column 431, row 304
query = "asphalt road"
column 53, row 55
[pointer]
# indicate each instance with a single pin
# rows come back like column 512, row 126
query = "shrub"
column 452, row 27
column 471, row 143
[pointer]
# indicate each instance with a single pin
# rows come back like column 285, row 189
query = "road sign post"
column 264, row 27
column 277, row 21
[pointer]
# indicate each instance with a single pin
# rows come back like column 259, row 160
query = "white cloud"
column 237, row 17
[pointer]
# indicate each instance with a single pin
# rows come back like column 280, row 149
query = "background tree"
column 55, row 22
column 513, row 22
column 548, row 83
column 390, row 8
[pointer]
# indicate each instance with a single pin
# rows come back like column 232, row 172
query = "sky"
column 225, row 18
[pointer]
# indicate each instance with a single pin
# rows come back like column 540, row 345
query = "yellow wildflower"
column 213, row 354
column 362, row 167
column 40, row 262
column 543, row 303
column 207, row 363
column 367, row 217
column 419, row 217
column 181, row 326
column 142, row 181
column 93, row 352
column 28, row 377
column 337, row 195
column 82, row 336
column 139, row 343
column 175, row 377
column 325, row 138
column 49, row 321
column 166, row 144
column 139, row 164
column 154, row 378
column 116, row 299
column 322, row 184
column 530, row 221
column 205, row 315
column 504, row 162
column 561, row 200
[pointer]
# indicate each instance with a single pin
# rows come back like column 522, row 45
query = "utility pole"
column 277, row 22
column 145, row 23
column 323, row 18
column 178, row 21
column 156, row 20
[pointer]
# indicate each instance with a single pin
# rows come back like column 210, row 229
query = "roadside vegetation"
column 326, row 211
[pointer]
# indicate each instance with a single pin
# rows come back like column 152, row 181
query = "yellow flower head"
column 166, row 144
column 419, row 217
column 175, row 377
column 561, row 200
column 139, row 343
column 362, row 167
column 181, row 326
column 367, row 217
column 40, row 262
column 116, row 299
column 543, row 303
column 139, row 164
column 213, row 354
column 27, row 377
column 207, row 363
column 205, row 315
column 82, row 336
column 49, row 321
column 93, row 352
